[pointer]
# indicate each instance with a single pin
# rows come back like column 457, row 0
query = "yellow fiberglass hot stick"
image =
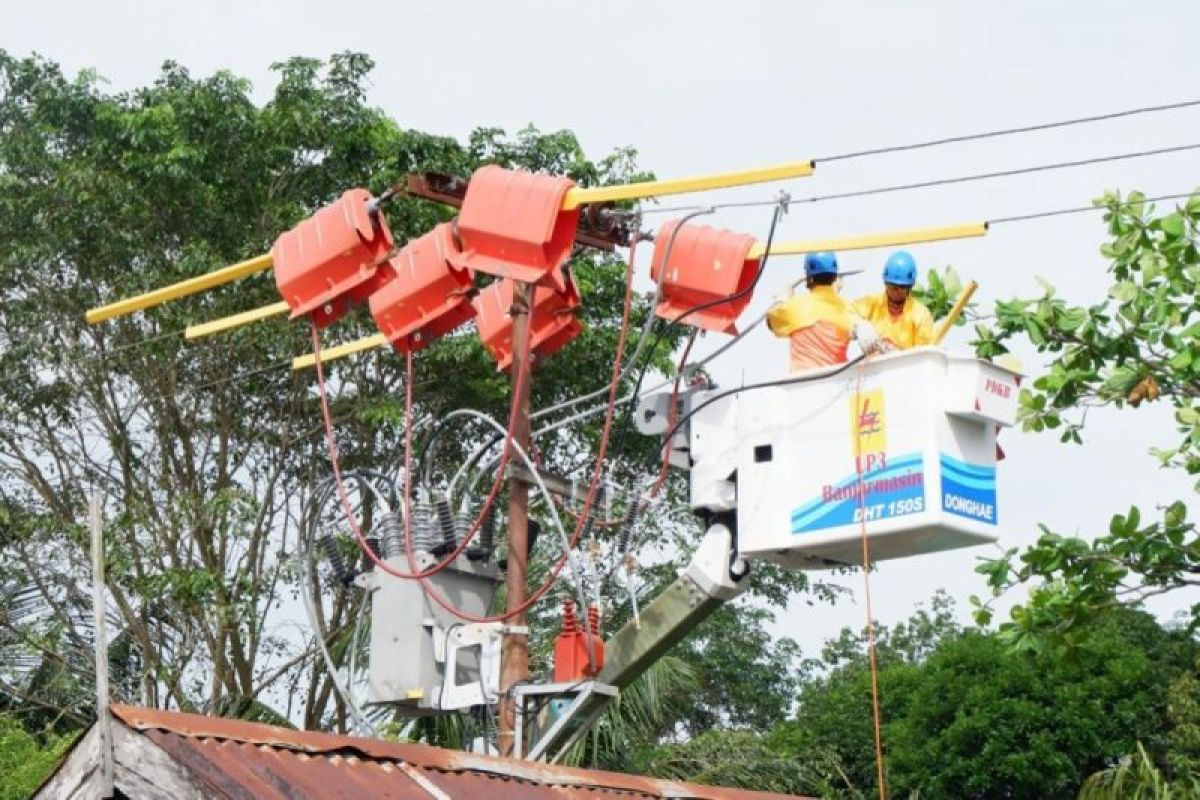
column 870, row 240
column 956, row 311
column 235, row 320
column 347, row 349
column 700, row 183
column 175, row 291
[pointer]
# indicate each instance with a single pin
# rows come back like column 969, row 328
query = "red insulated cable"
column 876, row 715
column 345, row 499
column 597, row 470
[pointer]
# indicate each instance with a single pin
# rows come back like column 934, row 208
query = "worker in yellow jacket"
column 819, row 323
column 902, row 320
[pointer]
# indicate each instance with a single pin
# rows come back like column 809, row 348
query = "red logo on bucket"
column 997, row 388
column 868, row 419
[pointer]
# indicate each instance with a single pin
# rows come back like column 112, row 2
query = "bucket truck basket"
column 904, row 445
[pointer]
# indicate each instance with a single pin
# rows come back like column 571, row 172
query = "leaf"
column 1124, row 291
column 1172, row 225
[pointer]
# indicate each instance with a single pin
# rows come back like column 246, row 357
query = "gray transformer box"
column 411, row 634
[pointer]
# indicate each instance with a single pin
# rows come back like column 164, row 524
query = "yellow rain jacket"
column 819, row 324
column 913, row 327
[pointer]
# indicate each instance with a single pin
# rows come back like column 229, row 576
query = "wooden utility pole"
column 514, row 654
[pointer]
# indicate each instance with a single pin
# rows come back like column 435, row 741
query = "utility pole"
column 514, row 653
column 99, row 598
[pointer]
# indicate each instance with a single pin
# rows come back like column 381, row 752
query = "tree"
column 1138, row 343
column 966, row 716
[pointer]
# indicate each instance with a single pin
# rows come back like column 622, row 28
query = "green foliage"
column 967, row 716
column 644, row 712
column 1137, row 777
column 1183, row 710
column 1135, row 343
column 730, row 758
column 26, row 760
column 939, row 292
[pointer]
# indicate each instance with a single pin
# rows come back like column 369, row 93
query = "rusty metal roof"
column 237, row 759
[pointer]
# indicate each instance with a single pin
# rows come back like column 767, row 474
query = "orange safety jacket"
column 818, row 323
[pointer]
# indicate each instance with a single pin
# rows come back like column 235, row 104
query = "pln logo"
column 869, row 419
column 868, row 423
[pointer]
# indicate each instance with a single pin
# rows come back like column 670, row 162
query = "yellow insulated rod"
column 333, row 353
column 868, row 241
column 177, row 290
column 955, row 311
column 700, row 183
column 234, row 320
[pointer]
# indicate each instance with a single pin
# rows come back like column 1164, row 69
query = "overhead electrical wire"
column 811, row 199
column 878, row 190
column 950, row 181
column 1043, row 126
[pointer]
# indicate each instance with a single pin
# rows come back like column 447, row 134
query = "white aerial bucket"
column 905, row 441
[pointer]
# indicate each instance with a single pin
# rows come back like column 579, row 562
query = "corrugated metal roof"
column 249, row 760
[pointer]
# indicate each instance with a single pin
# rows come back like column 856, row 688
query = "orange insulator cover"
column 706, row 265
column 551, row 326
column 512, row 225
column 332, row 258
column 426, row 296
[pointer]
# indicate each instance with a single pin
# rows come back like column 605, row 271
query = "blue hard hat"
column 820, row 264
column 900, row 269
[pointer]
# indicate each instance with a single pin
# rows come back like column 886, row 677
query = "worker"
column 902, row 320
column 820, row 322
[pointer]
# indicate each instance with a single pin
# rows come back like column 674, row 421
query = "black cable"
column 1004, row 173
column 627, row 414
column 1080, row 209
column 1045, row 126
column 764, row 385
column 948, row 181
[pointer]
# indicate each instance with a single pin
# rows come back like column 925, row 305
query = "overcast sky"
column 698, row 86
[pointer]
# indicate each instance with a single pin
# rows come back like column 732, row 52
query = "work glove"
column 866, row 336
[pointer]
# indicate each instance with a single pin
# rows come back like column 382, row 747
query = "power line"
column 904, row 187
column 1081, row 209
column 1044, row 126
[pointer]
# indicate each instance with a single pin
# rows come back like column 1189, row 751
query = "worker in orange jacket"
column 819, row 323
column 902, row 320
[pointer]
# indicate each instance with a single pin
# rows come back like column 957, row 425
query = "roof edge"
column 424, row 756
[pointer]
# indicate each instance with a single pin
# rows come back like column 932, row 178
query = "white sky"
column 701, row 85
